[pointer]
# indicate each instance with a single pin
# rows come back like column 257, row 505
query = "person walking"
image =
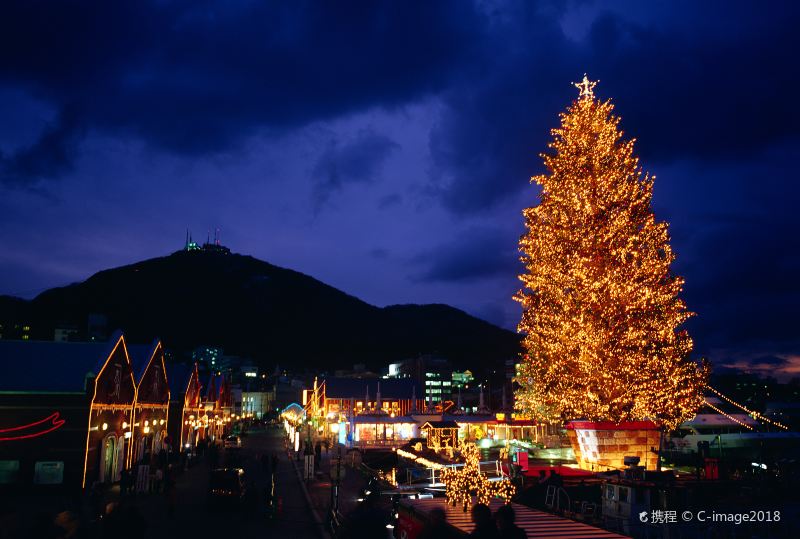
column 436, row 526
column 484, row 525
column 505, row 523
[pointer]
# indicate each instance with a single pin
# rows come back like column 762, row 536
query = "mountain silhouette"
column 255, row 309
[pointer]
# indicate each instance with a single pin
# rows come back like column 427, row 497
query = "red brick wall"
column 605, row 448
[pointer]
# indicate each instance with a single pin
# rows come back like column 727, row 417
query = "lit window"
column 9, row 471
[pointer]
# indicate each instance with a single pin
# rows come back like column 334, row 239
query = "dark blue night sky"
column 385, row 147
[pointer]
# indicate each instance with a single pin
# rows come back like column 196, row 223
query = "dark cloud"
column 699, row 81
column 354, row 161
column 735, row 236
column 783, row 367
column 488, row 137
column 112, row 92
column 707, row 82
column 746, row 290
column 771, row 360
column 50, row 156
column 478, row 253
column 197, row 77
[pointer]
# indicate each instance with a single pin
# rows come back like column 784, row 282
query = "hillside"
column 253, row 308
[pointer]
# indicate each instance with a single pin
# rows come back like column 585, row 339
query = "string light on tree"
column 601, row 307
column 728, row 416
column 753, row 414
column 463, row 483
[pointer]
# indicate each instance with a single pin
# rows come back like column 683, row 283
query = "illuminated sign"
column 32, row 430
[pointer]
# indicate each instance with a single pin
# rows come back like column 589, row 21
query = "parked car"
column 227, row 486
column 233, row 441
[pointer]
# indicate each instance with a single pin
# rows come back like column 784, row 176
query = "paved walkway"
column 195, row 516
column 320, row 489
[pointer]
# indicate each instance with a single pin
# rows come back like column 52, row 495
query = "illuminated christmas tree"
column 461, row 484
column 601, row 308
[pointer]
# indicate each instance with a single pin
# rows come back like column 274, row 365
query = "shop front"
column 65, row 414
column 151, row 408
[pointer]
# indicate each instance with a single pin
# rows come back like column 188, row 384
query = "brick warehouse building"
column 186, row 428
column 65, row 413
column 151, row 408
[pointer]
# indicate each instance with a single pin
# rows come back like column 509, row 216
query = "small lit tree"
column 461, row 484
column 601, row 306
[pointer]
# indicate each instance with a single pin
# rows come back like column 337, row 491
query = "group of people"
column 369, row 521
column 501, row 526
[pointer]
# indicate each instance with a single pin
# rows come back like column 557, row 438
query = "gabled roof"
column 178, row 376
column 294, row 409
column 140, row 355
column 439, row 425
column 467, row 418
column 212, row 389
column 52, row 367
column 356, row 388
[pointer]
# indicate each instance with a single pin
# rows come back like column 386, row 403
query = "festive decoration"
column 753, row 414
column 601, row 307
column 462, row 483
column 422, row 461
column 32, row 430
column 720, row 412
column 441, row 435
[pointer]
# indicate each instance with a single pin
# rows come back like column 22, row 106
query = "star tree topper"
column 586, row 87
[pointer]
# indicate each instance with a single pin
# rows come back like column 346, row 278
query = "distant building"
column 344, row 396
column 66, row 333
column 433, row 373
column 787, row 413
column 359, row 370
column 462, row 380
column 365, row 411
column 287, row 392
column 217, row 405
column 97, row 327
column 231, row 363
column 258, row 404
column 15, row 330
column 207, row 356
column 186, row 426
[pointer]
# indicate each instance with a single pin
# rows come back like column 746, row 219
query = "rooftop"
column 356, row 388
column 52, row 367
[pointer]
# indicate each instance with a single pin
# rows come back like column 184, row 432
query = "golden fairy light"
column 464, row 482
column 755, row 415
column 601, row 308
column 720, row 412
